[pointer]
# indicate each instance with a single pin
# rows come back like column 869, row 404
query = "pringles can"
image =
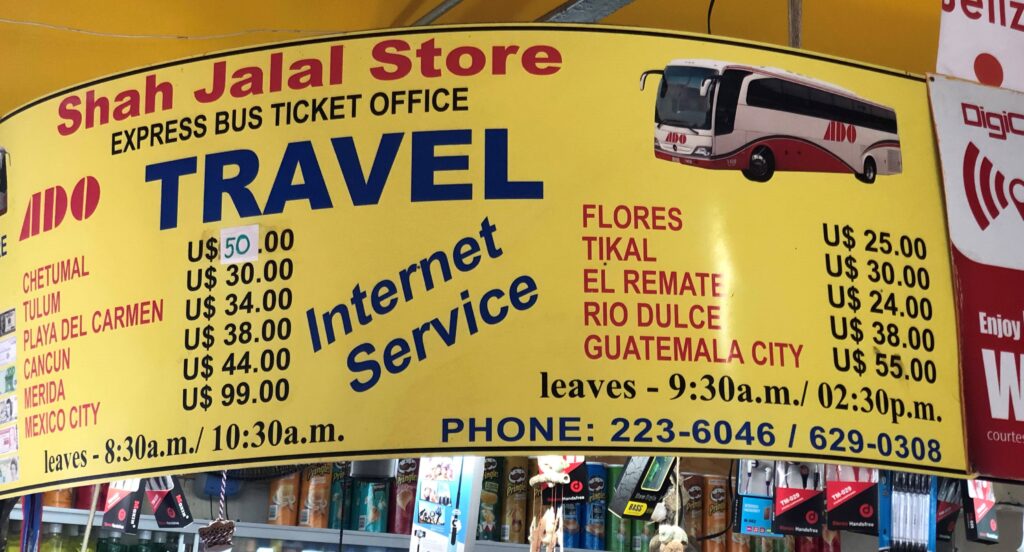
column 370, row 505
column 595, row 506
column 617, row 530
column 315, row 498
column 572, row 523
column 403, row 503
column 693, row 512
column 513, row 509
column 715, row 516
column 489, row 524
column 284, row 498
column 341, row 491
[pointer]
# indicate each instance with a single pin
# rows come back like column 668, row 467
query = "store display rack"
column 356, row 541
column 259, row 531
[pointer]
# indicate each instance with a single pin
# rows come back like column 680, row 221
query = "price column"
column 881, row 312
column 257, row 328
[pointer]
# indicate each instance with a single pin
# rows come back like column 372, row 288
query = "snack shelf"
column 354, row 540
column 259, row 531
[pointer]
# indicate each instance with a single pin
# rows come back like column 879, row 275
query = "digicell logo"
column 47, row 209
column 988, row 191
column 999, row 124
column 840, row 132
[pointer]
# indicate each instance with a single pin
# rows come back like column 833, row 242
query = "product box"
column 948, row 506
column 284, row 498
column 167, row 499
column 513, row 509
column 341, row 491
column 754, row 515
column 693, row 506
column 715, row 513
column 617, row 530
column 799, row 498
column 755, row 478
column 488, row 526
column 754, row 507
column 595, row 507
column 123, row 505
column 979, row 501
column 851, row 499
column 402, row 505
column 369, row 504
column 315, row 496
column 644, row 482
column 573, row 491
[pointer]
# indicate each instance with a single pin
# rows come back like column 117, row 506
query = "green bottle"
column 114, row 544
column 103, row 541
column 73, row 538
column 53, row 538
column 160, row 542
column 14, row 537
column 145, row 543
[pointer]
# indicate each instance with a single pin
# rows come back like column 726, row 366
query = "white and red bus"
column 719, row 115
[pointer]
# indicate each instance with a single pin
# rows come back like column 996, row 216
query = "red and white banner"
column 982, row 40
column 981, row 136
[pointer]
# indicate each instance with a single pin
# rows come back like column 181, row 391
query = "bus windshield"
column 679, row 100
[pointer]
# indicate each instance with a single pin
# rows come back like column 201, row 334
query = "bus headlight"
column 702, row 151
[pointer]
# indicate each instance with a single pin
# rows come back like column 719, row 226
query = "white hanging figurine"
column 552, row 471
column 670, row 538
column 547, row 531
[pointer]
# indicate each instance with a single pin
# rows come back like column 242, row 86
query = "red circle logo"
column 121, row 514
column 576, row 486
column 171, row 514
column 866, row 511
column 992, row 524
column 811, row 517
column 988, row 70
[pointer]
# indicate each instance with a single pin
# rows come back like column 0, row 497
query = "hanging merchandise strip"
column 288, row 248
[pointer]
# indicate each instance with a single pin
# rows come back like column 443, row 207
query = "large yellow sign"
column 494, row 239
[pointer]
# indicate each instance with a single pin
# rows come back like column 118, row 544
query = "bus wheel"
column 762, row 165
column 870, row 172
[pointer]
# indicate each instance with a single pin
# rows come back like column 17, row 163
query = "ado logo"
column 840, row 132
column 47, row 209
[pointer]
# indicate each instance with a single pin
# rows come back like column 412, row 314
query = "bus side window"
column 822, row 104
column 728, row 96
